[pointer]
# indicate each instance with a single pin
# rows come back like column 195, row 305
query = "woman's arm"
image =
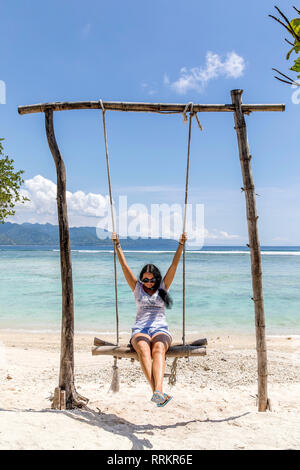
column 172, row 269
column 129, row 276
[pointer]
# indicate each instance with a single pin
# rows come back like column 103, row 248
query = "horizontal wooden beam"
column 173, row 351
column 145, row 107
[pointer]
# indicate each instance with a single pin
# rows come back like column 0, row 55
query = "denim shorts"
column 151, row 331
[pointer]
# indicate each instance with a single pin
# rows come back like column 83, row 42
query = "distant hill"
column 47, row 234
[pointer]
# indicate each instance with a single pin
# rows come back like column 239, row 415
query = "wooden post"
column 56, row 399
column 66, row 375
column 256, row 270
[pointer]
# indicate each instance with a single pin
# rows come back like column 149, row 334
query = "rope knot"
column 102, row 106
column 187, row 106
column 190, row 106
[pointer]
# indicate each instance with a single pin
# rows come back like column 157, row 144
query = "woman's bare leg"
column 160, row 345
column 142, row 345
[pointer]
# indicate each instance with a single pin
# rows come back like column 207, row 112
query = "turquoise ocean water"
column 218, row 289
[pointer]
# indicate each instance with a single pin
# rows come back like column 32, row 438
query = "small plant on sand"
column 293, row 28
column 10, row 183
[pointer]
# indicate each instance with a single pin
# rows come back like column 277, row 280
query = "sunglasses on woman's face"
column 149, row 280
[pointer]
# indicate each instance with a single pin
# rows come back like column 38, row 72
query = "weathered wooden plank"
column 256, row 269
column 173, row 351
column 197, row 342
column 144, row 107
column 102, row 342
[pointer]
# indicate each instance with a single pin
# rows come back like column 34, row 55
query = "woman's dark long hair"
column 151, row 268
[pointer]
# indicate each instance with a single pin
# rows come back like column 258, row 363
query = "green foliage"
column 10, row 183
column 296, row 66
column 293, row 28
column 295, row 24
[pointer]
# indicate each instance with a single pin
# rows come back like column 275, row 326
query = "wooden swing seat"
column 104, row 348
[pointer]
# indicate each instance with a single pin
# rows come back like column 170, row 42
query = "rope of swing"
column 113, row 225
column 173, row 374
column 189, row 106
column 184, row 217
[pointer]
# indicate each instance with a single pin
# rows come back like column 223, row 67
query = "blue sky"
column 152, row 51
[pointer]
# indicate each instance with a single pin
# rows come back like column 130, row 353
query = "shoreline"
column 176, row 333
column 219, row 340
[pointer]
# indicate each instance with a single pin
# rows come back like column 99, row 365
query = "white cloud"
column 166, row 221
column 138, row 221
column 149, row 89
column 219, row 235
column 213, row 237
column 166, row 79
column 90, row 209
column 83, row 209
column 196, row 78
column 227, row 236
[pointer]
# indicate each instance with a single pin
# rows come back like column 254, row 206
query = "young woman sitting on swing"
column 150, row 334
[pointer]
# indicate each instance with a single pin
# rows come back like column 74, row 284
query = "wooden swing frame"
column 65, row 395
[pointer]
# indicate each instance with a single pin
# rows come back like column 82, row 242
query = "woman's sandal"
column 158, row 397
column 167, row 398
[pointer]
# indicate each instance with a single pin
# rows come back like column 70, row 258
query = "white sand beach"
column 213, row 406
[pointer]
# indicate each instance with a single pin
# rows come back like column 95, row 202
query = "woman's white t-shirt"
column 150, row 308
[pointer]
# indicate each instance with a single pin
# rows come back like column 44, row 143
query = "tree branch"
column 284, row 81
column 289, row 42
column 298, row 11
column 289, row 28
column 282, row 24
column 288, row 22
column 291, row 80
